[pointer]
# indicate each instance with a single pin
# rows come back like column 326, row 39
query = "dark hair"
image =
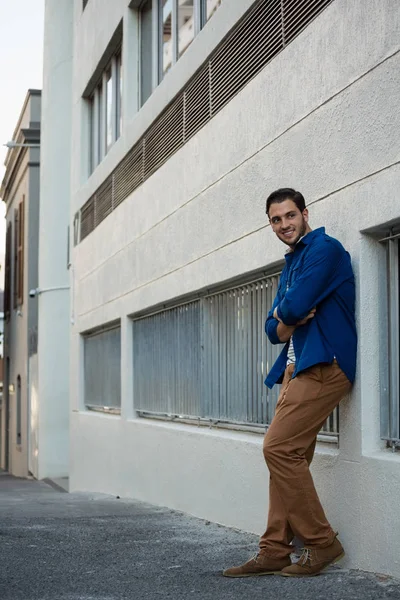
column 286, row 194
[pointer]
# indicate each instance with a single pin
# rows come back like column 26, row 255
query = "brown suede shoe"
column 260, row 564
column 314, row 560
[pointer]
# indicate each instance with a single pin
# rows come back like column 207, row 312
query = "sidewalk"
column 60, row 546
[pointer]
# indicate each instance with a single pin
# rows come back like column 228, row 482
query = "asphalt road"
column 60, row 546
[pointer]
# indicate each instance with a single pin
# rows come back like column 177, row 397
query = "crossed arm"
column 298, row 305
column 285, row 332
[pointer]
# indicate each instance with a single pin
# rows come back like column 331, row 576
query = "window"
column 19, row 219
column 185, row 25
column 146, row 51
column 118, row 95
column 7, row 276
column 390, row 389
column 102, row 369
column 105, row 107
column 18, row 419
column 109, row 110
column 207, row 359
column 168, row 382
column 220, row 358
column 166, row 36
column 212, row 6
column 173, row 28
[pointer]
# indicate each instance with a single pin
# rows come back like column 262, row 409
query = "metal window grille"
column 390, row 384
column 237, row 354
column 266, row 29
column 102, row 369
column 207, row 359
column 166, row 361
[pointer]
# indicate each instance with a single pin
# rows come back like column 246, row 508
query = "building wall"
column 21, row 182
column 53, row 308
column 16, row 334
column 16, row 343
column 322, row 117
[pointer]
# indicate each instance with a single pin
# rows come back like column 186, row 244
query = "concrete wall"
column 322, row 117
column 54, row 316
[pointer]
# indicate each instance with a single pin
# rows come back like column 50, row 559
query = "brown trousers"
column 304, row 404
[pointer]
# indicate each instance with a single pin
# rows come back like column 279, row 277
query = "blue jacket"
column 317, row 273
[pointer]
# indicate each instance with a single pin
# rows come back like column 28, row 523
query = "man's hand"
column 310, row 315
column 285, row 332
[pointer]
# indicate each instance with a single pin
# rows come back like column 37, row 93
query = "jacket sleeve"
column 271, row 324
column 320, row 276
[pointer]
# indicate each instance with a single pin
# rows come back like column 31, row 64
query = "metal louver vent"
column 129, row 174
column 297, row 15
column 164, row 137
column 87, row 218
column 245, row 52
column 197, row 102
column 263, row 32
column 103, row 201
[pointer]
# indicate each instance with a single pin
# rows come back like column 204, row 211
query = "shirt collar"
column 306, row 239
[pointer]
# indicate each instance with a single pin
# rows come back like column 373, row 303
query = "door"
column 7, row 415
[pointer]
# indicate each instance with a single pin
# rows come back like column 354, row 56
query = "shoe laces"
column 305, row 557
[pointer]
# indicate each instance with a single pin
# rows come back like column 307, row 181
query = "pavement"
column 60, row 546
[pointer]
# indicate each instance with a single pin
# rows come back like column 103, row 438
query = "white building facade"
column 50, row 374
column 185, row 116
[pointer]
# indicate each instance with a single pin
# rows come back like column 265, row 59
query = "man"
column 313, row 314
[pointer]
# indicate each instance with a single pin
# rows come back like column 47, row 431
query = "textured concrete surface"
column 55, row 545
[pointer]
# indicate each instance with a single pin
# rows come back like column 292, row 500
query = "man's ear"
column 305, row 214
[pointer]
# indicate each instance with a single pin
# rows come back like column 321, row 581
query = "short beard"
column 302, row 232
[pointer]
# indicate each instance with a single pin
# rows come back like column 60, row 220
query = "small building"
column 20, row 191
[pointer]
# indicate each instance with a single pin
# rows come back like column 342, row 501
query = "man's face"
column 288, row 222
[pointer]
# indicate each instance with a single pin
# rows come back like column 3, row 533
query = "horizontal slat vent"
column 164, row 137
column 103, row 201
column 263, row 32
column 129, row 174
column 197, row 106
column 297, row 15
column 245, row 52
column 87, row 218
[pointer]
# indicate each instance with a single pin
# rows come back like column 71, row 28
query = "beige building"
column 20, row 192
